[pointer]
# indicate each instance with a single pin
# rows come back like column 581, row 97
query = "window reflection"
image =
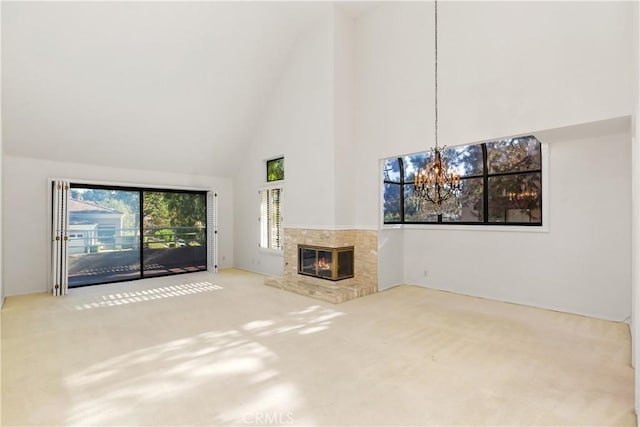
column 515, row 198
column 469, row 206
column 513, row 155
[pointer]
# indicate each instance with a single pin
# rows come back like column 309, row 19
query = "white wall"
column 394, row 97
column 507, row 68
column 581, row 265
column 297, row 123
column 194, row 72
column 513, row 67
column 1, row 205
column 635, row 219
column 390, row 258
column 26, row 218
column 344, row 119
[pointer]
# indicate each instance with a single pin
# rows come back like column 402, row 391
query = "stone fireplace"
column 308, row 272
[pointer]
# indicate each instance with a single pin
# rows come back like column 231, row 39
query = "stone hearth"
column 364, row 282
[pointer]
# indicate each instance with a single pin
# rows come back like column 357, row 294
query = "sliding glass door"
column 122, row 233
column 175, row 232
column 104, row 236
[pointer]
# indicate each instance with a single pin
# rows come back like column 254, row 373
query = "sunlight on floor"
column 225, row 349
column 322, row 317
column 211, row 363
column 148, row 295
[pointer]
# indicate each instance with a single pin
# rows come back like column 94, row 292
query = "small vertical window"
column 275, row 169
column 271, row 235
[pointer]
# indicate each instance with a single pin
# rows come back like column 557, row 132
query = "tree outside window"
column 275, row 169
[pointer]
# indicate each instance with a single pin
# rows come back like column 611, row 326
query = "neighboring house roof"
column 81, row 206
column 81, row 226
column 77, row 221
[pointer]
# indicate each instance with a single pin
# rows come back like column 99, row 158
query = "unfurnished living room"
column 305, row 213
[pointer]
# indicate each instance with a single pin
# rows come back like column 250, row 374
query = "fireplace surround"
column 364, row 280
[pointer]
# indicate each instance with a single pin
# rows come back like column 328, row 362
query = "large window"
column 118, row 233
column 501, row 184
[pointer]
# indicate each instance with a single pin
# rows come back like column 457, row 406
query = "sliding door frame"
column 59, row 236
column 209, row 194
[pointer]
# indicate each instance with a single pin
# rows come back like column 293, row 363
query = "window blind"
column 271, row 218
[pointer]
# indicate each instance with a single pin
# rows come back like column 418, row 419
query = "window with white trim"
column 271, row 233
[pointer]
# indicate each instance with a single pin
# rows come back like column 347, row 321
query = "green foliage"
column 275, row 169
column 174, row 209
column 155, row 210
column 185, row 210
column 161, row 211
column 165, row 234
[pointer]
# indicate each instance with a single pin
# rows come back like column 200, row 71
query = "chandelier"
column 436, row 183
column 524, row 195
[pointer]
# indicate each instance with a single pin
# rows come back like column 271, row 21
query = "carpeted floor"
column 199, row 349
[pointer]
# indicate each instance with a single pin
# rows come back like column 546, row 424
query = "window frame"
column 141, row 189
column 269, row 161
column 543, row 171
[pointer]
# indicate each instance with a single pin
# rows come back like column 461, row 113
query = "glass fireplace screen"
column 325, row 263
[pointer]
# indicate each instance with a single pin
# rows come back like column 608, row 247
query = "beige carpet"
column 200, row 349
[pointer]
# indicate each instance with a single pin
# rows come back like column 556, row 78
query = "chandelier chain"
column 436, row 71
column 436, row 183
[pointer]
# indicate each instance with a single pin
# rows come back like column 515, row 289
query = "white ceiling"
column 152, row 85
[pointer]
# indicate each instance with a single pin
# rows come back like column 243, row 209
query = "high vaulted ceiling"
column 151, row 85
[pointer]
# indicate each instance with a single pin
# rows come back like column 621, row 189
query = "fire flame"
column 324, row 264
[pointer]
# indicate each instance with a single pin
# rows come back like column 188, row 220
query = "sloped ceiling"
column 151, row 85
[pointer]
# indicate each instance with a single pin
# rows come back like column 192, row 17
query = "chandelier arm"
column 424, row 193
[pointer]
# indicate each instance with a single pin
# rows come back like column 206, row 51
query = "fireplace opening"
column 325, row 263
